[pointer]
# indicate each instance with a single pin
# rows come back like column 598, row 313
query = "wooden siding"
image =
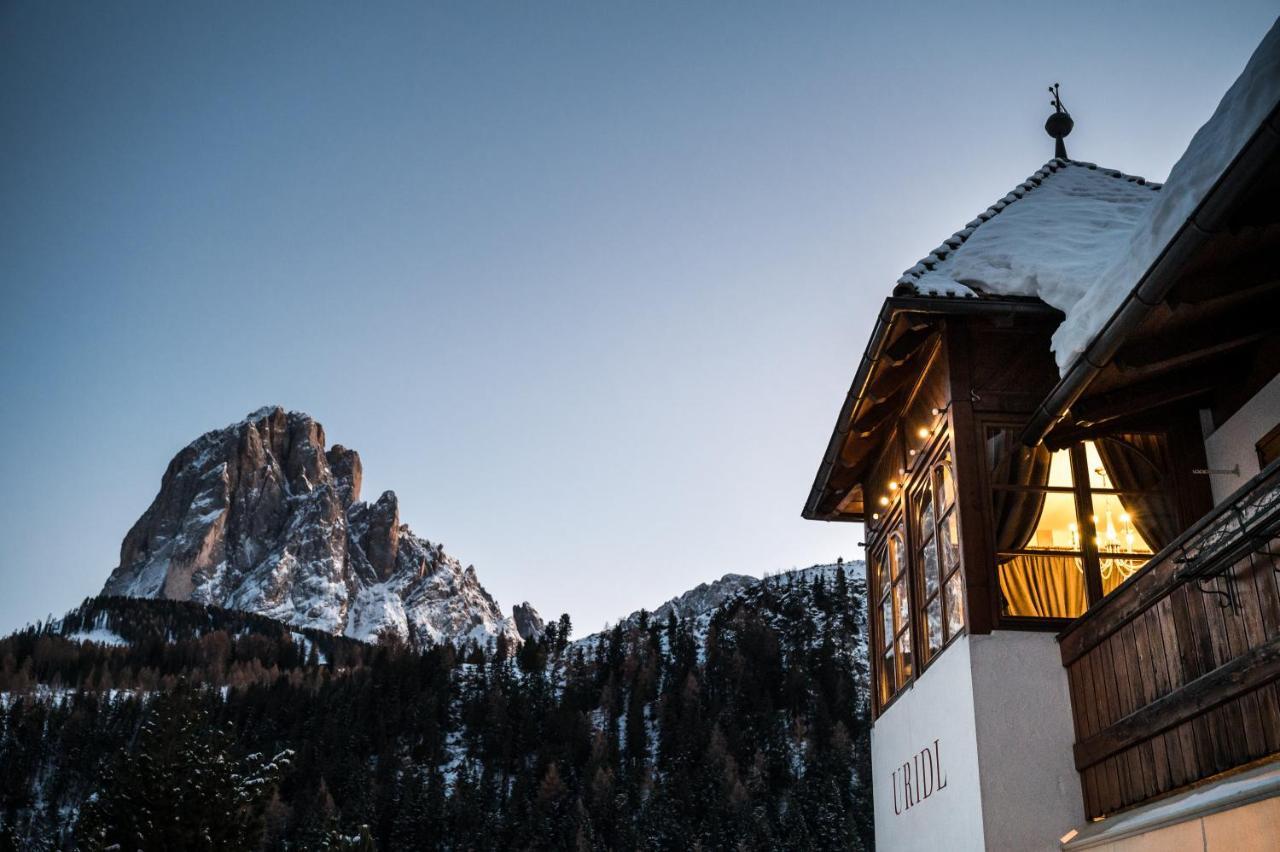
column 1169, row 684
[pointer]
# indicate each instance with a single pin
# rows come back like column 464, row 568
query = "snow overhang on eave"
column 1209, row 218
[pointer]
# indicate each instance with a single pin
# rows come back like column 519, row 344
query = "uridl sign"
column 918, row 779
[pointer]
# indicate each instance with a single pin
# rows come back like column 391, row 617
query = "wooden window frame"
column 1089, row 555
column 924, row 480
column 900, row 516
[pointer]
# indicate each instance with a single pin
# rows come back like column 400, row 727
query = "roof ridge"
column 906, row 283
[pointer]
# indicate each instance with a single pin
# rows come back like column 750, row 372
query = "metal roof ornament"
column 1059, row 124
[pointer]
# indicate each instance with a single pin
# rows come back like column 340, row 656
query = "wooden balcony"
column 1175, row 677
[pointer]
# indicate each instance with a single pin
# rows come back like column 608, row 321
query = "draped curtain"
column 1048, row 586
column 1017, row 513
column 1139, row 462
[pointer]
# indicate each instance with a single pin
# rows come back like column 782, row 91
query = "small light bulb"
column 923, row 431
column 893, row 486
column 884, row 501
column 935, row 411
column 875, row 516
column 911, row 452
column 1072, row 526
column 1124, row 517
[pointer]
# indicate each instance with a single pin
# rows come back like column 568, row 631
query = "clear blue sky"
column 584, row 283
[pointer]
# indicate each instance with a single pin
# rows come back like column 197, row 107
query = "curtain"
column 1017, row 513
column 1046, row 586
column 1139, row 462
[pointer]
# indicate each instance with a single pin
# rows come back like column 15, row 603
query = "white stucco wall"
column 999, row 708
column 939, row 706
column 1030, row 788
column 1235, row 442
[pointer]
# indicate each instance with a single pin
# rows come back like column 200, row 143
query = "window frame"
column 911, row 472
column 1088, row 552
column 924, row 480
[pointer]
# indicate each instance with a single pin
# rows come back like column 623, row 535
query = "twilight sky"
column 583, row 283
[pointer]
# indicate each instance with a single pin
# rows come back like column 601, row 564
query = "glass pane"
column 1117, row 528
column 955, row 604
column 904, row 657
column 932, row 574
column 933, row 619
column 1035, row 520
column 1060, row 469
column 887, row 622
column 950, row 542
column 901, row 602
column 882, row 574
column 897, row 559
column 1013, row 463
column 1098, row 477
column 888, row 674
column 926, row 516
column 1116, row 571
column 1045, row 586
column 944, row 484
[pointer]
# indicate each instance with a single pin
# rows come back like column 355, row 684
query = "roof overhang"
column 1237, row 219
column 902, row 328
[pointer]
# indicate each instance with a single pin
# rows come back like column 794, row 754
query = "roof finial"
column 1059, row 124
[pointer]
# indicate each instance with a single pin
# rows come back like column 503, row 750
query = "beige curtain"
column 1044, row 586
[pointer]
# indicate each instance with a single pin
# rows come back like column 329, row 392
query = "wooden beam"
column 1189, row 335
column 1144, row 396
column 1256, row 667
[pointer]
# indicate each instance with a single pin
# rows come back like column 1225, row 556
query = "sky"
column 584, row 283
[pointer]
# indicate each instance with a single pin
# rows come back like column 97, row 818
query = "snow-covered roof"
column 1079, row 237
column 1047, row 238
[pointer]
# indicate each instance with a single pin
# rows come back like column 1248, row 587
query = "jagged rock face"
column 259, row 517
column 527, row 620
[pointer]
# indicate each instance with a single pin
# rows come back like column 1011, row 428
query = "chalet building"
column 1063, row 442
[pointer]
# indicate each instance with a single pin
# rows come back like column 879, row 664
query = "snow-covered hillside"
column 701, row 603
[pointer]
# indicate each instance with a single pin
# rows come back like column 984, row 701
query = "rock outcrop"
column 260, row 517
column 527, row 620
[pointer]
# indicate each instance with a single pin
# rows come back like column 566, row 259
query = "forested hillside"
column 159, row 725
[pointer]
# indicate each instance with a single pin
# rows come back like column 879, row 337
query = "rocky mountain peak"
column 528, row 621
column 259, row 516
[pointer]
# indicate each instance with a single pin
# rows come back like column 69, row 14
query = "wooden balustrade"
column 1175, row 677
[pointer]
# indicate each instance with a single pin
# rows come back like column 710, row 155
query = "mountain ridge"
column 261, row 516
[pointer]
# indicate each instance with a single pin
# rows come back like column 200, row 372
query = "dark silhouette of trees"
column 743, row 728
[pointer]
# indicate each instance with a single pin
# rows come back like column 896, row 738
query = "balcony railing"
column 1175, row 677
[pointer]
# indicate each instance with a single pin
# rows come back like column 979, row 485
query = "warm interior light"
column 923, row 431
column 1068, row 837
column 893, row 486
column 884, row 501
column 875, row 516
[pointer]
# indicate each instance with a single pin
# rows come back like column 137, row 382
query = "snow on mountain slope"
column 702, row 601
column 260, row 516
